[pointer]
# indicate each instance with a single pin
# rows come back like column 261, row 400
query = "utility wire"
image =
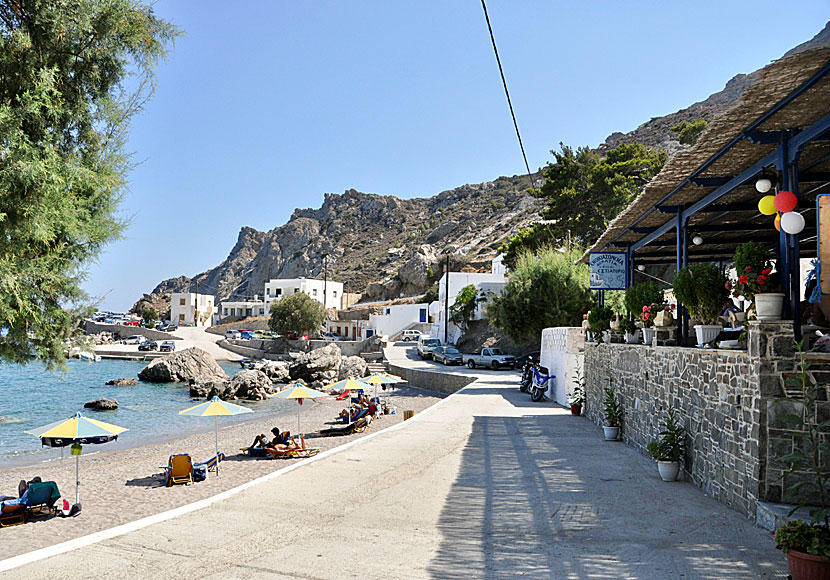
column 507, row 92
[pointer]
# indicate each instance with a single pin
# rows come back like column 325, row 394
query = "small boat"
column 88, row 356
column 247, row 363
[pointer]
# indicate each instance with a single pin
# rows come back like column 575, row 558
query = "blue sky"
column 264, row 106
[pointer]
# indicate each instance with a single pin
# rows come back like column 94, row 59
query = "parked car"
column 232, row 334
column 408, row 335
column 493, row 358
column 167, row 346
column 248, row 335
column 131, row 322
column 134, row 339
column 447, row 355
column 148, row 345
column 425, row 346
column 329, row 336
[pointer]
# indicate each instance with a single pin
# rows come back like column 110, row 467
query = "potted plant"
column 756, row 282
column 640, row 295
column 647, row 315
column 599, row 318
column 615, row 321
column 807, row 546
column 577, row 398
column 702, row 288
column 630, row 329
column 613, row 416
column 665, row 315
column 668, row 451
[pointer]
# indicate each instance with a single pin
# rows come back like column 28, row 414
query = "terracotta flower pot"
column 576, row 409
column 807, row 567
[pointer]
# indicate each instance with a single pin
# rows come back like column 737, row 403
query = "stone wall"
column 729, row 401
column 121, row 331
column 433, row 381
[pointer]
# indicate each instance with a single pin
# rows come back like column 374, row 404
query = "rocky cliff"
column 379, row 246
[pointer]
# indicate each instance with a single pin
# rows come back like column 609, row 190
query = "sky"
column 264, row 106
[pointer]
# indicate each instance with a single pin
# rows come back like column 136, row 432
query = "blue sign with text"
column 609, row 270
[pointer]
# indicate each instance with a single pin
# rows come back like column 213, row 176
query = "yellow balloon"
column 766, row 205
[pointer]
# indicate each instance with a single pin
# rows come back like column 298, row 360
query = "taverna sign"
column 609, row 270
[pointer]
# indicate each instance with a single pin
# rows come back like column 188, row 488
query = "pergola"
column 780, row 128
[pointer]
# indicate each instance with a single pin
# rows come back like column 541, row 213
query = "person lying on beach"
column 290, row 444
column 261, row 441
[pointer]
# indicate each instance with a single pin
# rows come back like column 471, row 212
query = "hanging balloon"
column 792, row 222
column 777, row 222
column 763, row 185
column 766, row 205
column 786, row 201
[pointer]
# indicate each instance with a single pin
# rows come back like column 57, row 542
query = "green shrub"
column 600, row 320
column 702, row 289
column 613, row 409
column 752, row 255
column 640, row 295
column 672, row 443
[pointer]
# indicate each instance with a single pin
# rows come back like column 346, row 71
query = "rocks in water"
column 102, row 404
column 123, row 382
column 204, row 389
column 352, row 366
column 192, row 363
column 320, row 364
column 250, row 384
column 277, row 371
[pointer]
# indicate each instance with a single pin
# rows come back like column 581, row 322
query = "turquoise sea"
column 33, row 396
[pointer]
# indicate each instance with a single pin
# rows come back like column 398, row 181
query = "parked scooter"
column 539, row 384
column 527, row 375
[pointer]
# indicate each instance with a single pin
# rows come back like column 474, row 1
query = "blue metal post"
column 794, row 247
column 680, row 236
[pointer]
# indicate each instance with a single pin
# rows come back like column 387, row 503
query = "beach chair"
column 12, row 513
column 41, row 498
column 358, row 426
column 293, row 453
column 342, row 395
column 211, row 463
column 179, row 470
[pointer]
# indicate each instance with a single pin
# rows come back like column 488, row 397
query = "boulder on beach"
column 250, row 384
column 192, row 363
column 204, row 389
column 352, row 366
column 123, row 382
column 102, row 404
column 320, row 364
column 277, row 371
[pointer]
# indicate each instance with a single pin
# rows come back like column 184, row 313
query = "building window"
column 181, row 317
column 278, row 292
column 296, row 290
column 334, row 294
column 226, row 312
column 233, row 311
column 261, row 311
column 338, row 330
column 314, row 292
column 181, row 301
column 388, row 311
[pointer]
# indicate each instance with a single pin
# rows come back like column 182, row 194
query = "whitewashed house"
column 191, row 308
column 397, row 317
column 276, row 289
column 243, row 308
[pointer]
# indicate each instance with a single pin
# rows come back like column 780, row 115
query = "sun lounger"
column 293, row 453
column 358, row 426
column 211, row 463
column 41, row 498
column 179, row 470
column 342, row 395
column 12, row 513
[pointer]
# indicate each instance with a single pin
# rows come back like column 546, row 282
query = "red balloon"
column 786, row 201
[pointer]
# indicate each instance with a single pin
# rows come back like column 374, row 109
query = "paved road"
column 191, row 336
column 485, row 484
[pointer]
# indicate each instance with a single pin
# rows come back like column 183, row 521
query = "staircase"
column 376, row 367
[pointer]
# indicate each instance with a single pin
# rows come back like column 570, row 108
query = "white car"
column 134, row 339
column 233, row 334
column 408, row 335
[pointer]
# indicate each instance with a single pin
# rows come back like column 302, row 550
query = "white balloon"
column 763, row 185
column 792, row 222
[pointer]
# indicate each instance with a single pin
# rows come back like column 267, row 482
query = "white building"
column 243, row 308
column 276, row 289
column 485, row 284
column 398, row 317
column 191, row 308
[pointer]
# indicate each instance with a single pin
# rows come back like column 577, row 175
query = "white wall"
column 396, row 318
column 458, row 280
column 239, row 308
column 562, row 352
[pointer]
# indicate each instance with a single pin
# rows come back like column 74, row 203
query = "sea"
column 33, row 396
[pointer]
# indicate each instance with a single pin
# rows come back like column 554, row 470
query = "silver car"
column 425, row 346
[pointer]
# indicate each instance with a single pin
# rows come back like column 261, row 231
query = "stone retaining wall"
column 729, row 401
column 121, row 331
column 433, row 381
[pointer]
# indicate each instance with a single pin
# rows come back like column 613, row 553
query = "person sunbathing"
column 291, row 444
column 262, row 442
column 348, row 413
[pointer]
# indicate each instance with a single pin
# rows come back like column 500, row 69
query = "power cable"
column 507, row 92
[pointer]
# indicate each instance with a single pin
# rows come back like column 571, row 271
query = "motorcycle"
column 527, row 376
column 539, row 384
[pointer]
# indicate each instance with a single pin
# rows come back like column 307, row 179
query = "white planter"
column 648, row 335
column 668, row 470
column 769, row 306
column 632, row 338
column 706, row 333
column 611, row 433
column 606, row 336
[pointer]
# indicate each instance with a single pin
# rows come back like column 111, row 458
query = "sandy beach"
column 125, row 485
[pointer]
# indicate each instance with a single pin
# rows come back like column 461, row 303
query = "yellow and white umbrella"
column 381, row 379
column 214, row 408
column 300, row 392
column 348, row 384
column 76, row 431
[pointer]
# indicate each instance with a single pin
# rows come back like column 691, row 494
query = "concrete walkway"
column 484, row 485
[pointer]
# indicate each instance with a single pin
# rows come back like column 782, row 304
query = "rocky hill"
column 380, row 246
column 657, row 131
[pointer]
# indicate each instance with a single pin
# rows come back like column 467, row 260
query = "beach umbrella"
column 214, row 408
column 299, row 392
column 380, row 379
column 349, row 384
column 77, row 431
